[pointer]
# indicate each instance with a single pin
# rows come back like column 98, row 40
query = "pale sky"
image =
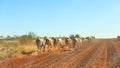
column 99, row 18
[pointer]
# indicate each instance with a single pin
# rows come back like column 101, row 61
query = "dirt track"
column 94, row 54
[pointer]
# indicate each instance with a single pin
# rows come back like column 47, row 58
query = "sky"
column 99, row 18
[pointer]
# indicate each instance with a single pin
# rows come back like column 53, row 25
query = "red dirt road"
column 95, row 54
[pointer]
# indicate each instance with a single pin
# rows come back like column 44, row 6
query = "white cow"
column 40, row 44
column 76, row 42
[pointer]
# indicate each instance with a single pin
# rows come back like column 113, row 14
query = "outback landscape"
column 93, row 53
column 59, row 34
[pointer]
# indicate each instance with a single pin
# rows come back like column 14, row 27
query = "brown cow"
column 49, row 43
column 56, row 43
column 68, row 42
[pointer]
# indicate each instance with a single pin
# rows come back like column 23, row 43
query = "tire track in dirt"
column 42, row 60
column 52, row 60
column 17, row 62
column 73, row 61
column 65, row 59
column 36, row 60
column 81, row 63
column 49, row 63
column 99, row 59
column 59, row 63
column 113, row 57
column 14, row 63
column 117, row 47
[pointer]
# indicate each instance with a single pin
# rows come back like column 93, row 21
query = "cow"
column 80, row 41
column 40, row 44
column 76, row 42
column 68, row 42
column 56, row 43
column 49, row 43
column 61, row 43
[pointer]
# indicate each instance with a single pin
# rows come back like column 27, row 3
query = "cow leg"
column 49, row 48
column 43, row 48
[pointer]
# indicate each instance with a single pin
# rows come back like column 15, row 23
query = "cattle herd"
column 57, row 43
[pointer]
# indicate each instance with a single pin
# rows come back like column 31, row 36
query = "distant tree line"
column 30, row 36
column 23, row 39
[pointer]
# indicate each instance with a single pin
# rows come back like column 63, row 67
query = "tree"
column 72, row 36
column 8, row 38
column 87, row 37
column 32, row 34
column 27, row 39
column 77, row 36
column 1, row 37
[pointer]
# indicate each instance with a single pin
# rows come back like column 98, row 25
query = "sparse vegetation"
column 14, row 51
column 17, row 45
column 20, row 45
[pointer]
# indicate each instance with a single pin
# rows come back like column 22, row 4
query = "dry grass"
column 14, row 49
